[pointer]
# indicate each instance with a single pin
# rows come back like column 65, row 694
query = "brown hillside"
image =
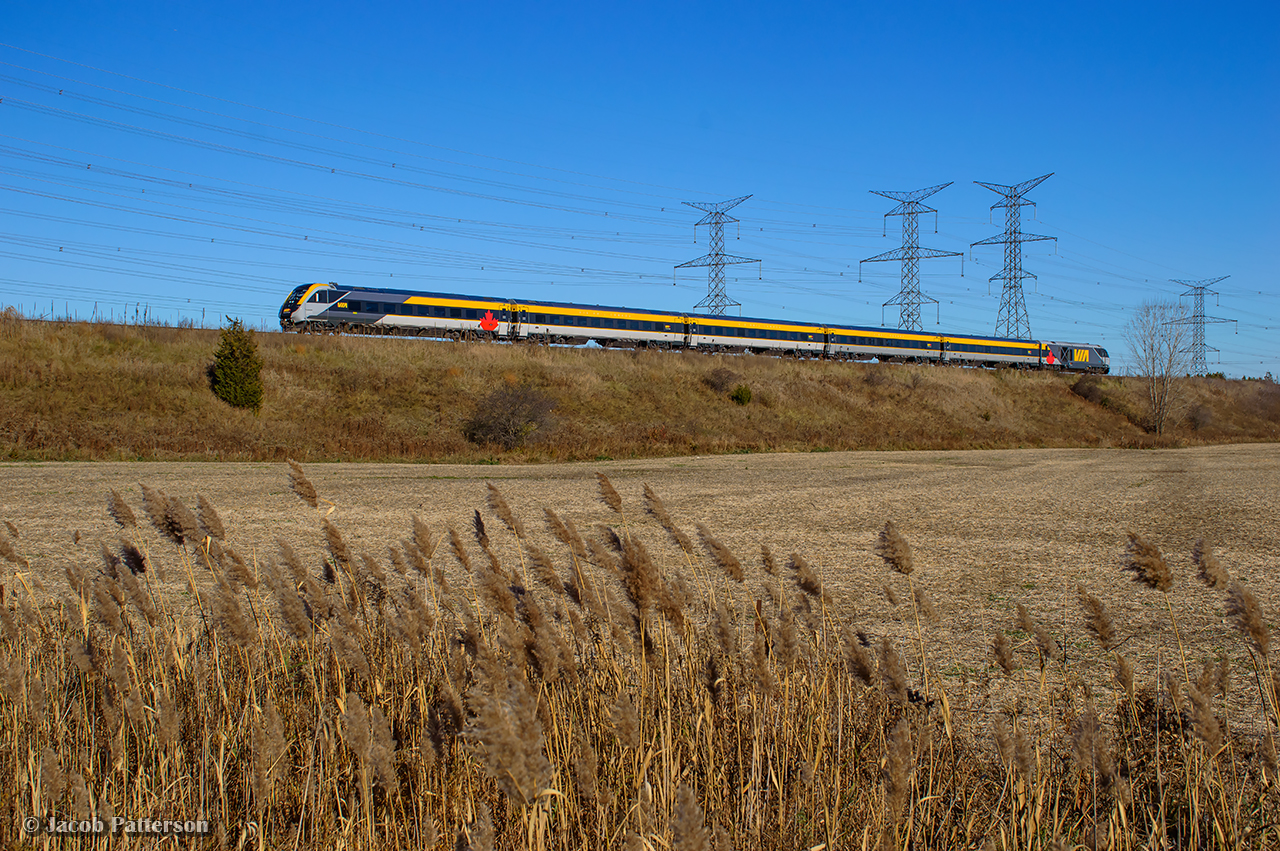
column 95, row 391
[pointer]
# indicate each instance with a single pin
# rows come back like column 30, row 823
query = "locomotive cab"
column 1075, row 357
column 304, row 303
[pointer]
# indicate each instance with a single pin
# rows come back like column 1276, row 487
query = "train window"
column 1103, row 352
column 455, row 313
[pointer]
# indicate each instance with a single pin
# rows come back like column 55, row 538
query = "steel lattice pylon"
column 1012, row 320
column 1197, row 320
column 909, row 297
column 717, row 300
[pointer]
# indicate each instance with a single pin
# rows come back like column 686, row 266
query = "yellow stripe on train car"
column 456, row 302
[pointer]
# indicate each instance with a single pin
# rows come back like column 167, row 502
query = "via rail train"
column 330, row 309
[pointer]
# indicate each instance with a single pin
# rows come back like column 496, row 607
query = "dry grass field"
column 97, row 392
column 628, row 692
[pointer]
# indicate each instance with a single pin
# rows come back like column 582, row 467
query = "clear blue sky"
column 203, row 161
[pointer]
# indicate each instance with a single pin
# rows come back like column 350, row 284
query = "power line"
column 1012, row 320
column 717, row 300
column 909, row 297
column 1197, row 320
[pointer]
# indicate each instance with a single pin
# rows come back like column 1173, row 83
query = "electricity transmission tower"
column 1012, row 320
column 909, row 297
column 1197, row 320
column 717, row 301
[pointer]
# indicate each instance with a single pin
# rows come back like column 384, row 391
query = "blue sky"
column 203, row 161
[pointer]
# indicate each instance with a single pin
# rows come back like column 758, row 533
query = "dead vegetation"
column 519, row 682
column 79, row 391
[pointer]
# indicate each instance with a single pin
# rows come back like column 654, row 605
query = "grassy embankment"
column 82, row 391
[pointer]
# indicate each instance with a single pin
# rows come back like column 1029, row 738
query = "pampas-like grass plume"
column 767, row 560
column 478, row 834
column 209, row 519
column 898, row 768
column 155, row 503
column 10, row 553
column 1210, row 570
column 806, row 580
column 608, row 495
column 567, row 533
column 1203, row 722
column 1243, row 608
column 422, row 538
column 1097, row 619
column 688, row 832
column 182, row 520
column 893, row 674
column 1124, row 675
column 761, row 674
column 1046, row 644
column 925, row 606
column 120, row 511
column 543, row 569
column 506, row 729
column 498, row 503
column 721, row 555
column 1145, row 561
column 894, row 549
column 1004, row 740
column 860, row 662
column 654, row 505
column 459, row 550
column 626, row 724
column 337, row 545
column 301, row 485
column 1002, row 649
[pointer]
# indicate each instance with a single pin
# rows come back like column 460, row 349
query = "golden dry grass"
column 731, row 712
column 104, row 392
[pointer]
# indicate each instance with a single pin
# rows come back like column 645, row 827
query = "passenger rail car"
column 327, row 308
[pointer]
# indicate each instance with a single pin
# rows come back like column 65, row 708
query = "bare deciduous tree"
column 1160, row 352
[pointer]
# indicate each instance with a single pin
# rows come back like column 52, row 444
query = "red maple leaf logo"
column 1049, row 358
column 488, row 323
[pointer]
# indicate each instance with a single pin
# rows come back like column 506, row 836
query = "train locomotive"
column 329, row 309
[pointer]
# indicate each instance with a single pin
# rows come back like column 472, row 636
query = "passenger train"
column 330, row 309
